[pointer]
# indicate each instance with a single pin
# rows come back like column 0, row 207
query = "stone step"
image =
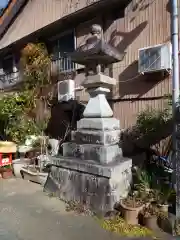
column 98, row 153
column 110, row 137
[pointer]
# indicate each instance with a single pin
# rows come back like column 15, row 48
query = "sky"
column 3, row 3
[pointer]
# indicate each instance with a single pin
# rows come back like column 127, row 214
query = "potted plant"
column 150, row 215
column 131, row 206
column 143, row 185
column 7, row 172
column 144, row 181
column 164, row 196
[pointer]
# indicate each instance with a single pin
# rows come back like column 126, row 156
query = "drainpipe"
column 175, row 54
column 175, row 96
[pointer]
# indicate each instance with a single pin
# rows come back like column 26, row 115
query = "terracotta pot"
column 150, row 222
column 163, row 208
column 130, row 214
column 7, row 174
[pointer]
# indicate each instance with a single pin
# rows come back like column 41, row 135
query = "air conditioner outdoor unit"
column 66, row 90
column 155, row 58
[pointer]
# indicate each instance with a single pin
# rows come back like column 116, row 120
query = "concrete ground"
column 26, row 213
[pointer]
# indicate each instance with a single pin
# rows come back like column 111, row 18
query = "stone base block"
column 99, row 79
column 97, row 153
column 97, row 137
column 100, row 154
column 99, row 124
column 97, row 186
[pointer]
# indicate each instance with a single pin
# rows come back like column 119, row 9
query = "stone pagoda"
column 92, row 169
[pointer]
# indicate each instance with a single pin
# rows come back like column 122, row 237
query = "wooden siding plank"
column 38, row 14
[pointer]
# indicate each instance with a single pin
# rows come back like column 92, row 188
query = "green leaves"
column 151, row 120
column 35, row 63
column 144, row 180
column 15, row 109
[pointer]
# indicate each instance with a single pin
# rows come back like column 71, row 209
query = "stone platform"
column 96, row 185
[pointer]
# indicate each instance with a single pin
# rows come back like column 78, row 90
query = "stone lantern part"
column 96, row 30
column 96, row 54
column 93, row 169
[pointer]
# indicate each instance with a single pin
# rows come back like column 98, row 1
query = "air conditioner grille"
column 155, row 58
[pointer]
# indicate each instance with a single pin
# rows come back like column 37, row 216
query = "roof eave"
column 9, row 18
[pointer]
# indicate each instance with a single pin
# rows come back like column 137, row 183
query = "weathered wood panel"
column 38, row 14
column 127, row 110
column 145, row 23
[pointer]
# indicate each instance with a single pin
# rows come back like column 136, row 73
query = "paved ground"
column 26, row 213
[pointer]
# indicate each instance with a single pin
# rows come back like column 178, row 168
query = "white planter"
column 18, row 164
column 163, row 207
column 38, row 177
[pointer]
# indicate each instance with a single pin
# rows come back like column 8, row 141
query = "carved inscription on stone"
column 111, row 139
column 101, row 138
column 88, row 138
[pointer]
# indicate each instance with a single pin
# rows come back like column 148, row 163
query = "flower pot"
column 150, row 222
column 34, row 176
column 7, row 174
column 163, row 208
column 131, row 214
column 18, row 164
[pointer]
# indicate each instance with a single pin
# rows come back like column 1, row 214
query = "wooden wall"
column 38, row 14
column 144, row 23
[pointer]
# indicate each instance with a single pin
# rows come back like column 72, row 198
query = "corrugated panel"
column 38, row 14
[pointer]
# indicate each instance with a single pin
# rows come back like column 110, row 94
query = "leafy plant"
column 165, row 193
column 7, row 167
column 16, row 109
column 144, row 180
column 35, row 62
column 132, row 202
column 150, row 211
column 119, row 226
column 149, row 120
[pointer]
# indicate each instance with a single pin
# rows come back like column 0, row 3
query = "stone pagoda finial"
column 96, row 30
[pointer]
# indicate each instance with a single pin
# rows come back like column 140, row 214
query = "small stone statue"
column 91, row 42
column 96, row 32
column 96, row 54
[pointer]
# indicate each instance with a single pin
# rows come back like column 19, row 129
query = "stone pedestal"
column 92, row 169
column 96, row 185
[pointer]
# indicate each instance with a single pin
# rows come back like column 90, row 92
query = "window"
column 59, row 47
column 9, row 70
column 7, row 64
